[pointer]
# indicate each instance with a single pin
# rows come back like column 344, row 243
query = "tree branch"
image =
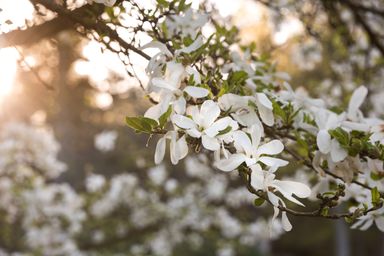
column 36, row 33
column 89, row 24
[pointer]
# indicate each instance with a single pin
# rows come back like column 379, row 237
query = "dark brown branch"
column 360, row 19
column 36, row 33
column 89, row 24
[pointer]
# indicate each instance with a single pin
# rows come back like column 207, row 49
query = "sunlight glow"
column 8, row 68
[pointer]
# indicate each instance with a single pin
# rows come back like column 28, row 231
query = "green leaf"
column 340, row 135
column 258, row 201
column 164, row 117
column 278, row 111
column 141, row 124
column 375, row 196
column 237, row 77
column 162, row 3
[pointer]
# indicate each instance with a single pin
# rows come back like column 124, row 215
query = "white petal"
column 209, row 112
column 160, row 150
column 273, row 198
column 272, row 161
column 218, row 126
column 256, row 132
column 242, row 141
column 356, row 101
column 356, row 126
column 337, row 152
column 380, row 223
column 156, row 44
column 324, row 141
column 183, row 122
column 210, row 143
column 263, row 100
column 179, row 106
column 196, row 92
column 232, row 101
column 194, row 111
column 154, row 112
column 161, row 83
column 231, row 163
column 196, row 75
column 247, row 118
column 285, row 221
column 182, row 148
column 194, row 133
column 266, row 114
column 366, row 225
column 271, row 148
column 299, row 189
column 257, row 177
column 192, row 47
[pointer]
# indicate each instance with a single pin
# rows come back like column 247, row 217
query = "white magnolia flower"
column 299, row 98
column 354, row 115
column 178, row 147
column 186, row 24
column 265, row 180
column 243, row 112
column 105, row 141
column 249, row 150
column 364, row 222
column 327, row 120
column 204, row 124
column 170, row 91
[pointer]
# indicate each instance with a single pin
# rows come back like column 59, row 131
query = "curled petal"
column 210, row 143
column 218, row 126
column 285, row 221
column 272, row 161
column 324, row 141
column 192, row 47
column 337, row 152
column 231, row 163
column 196, row 92
column 209, row 112
column 156, row 44
column 271, row 148
column 183, row 122
column 160, row 150
column 262, row 99
column 356, row 101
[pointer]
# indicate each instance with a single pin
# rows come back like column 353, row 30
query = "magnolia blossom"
column 168, row 86
column 327, row 120
column 178, row 147
column 243, row 112
column 186, row 24
column 250, row 151
column 364, row 222
column 355, row 119
column 205, row 124
column 105, row 141
column 265, row 180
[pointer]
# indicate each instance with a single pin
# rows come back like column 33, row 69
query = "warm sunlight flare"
column 8, row 67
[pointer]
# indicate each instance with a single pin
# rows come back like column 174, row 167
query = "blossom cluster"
column 55, row 219
column 239, row 109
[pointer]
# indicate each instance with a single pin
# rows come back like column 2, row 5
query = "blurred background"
column 73, row 88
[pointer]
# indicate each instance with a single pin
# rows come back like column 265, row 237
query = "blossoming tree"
column 213, row 96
